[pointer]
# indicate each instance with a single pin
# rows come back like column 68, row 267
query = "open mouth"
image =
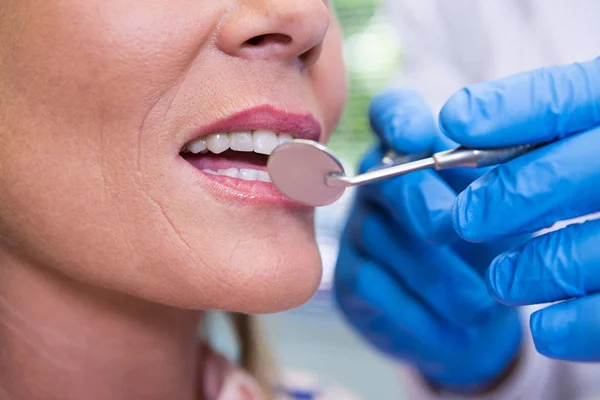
column 240, row 155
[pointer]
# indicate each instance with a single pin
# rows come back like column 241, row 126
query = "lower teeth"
column 244, row 174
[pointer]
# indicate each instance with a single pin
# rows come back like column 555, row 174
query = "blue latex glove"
column 558, row 182
column 404, row 278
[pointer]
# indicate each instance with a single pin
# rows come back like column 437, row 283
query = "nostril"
column 277, row 45
column 311, row 54
column 268, row 39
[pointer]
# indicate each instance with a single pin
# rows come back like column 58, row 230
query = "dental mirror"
column 311, row 174
column 299, row 169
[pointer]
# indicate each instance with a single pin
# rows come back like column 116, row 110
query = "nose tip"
column 276, row 30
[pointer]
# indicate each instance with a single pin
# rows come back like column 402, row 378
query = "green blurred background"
column 372, row 53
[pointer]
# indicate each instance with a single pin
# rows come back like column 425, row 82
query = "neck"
column 61, row 339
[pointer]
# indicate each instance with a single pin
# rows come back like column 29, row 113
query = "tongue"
column 228, row 159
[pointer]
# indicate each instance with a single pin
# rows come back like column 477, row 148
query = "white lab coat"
column 448, row 44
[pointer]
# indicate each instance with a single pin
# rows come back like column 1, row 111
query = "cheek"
column 97, row 59
column 81, row 77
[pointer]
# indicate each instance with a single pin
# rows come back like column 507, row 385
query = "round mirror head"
column 299, row 169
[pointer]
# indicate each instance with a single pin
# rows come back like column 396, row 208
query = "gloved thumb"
column 532, row 107
column 403, row 121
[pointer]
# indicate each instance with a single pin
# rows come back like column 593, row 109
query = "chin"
column 279, row 285
column 253, row 265
column 276, row 269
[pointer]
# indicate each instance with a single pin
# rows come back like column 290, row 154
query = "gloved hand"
column 404, row 278
column 558, row 182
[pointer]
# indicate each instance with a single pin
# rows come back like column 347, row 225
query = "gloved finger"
column 569, row 330
column 420, row 202
column 377, row 304
column 457, row 178
column 372, row 158
column 532, row 192
column 556, row 266
column 403, row 121
column 532, row 107
column 434, row 274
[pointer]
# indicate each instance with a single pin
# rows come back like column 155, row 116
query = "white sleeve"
column 433, row 61
column 535, row 377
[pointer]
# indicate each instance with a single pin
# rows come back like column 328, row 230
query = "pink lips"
column 301, row 126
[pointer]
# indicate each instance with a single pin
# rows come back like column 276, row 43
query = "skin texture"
column 105, row 233
column 99, row 98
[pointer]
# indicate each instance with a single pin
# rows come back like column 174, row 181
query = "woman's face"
column 100, row 104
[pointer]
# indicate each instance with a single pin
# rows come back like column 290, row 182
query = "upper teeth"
column 259, row 141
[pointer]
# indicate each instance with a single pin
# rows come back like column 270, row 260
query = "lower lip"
column 249, row 192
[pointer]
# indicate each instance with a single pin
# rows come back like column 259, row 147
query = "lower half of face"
column 139, row 165
column 186, row 240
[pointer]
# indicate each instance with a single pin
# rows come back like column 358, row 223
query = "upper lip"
column 301, row 126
